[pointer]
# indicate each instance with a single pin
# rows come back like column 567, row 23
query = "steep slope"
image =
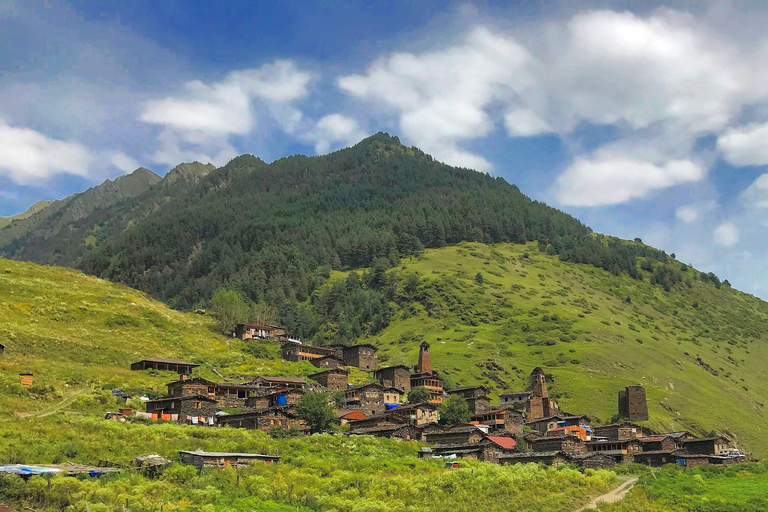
column 698, row 349
column 62, row 214
column 38, row 206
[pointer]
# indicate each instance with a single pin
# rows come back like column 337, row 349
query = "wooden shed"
column 201, row 459
column 26, row 379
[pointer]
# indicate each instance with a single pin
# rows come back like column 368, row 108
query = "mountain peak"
column 189, row 171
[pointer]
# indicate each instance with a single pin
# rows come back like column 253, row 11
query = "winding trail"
column 612, row 497
column 60, row 405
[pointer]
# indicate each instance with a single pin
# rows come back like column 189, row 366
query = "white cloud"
column 525, row 123
column 123, row 162
column 726, row 234
column 687, row 214
column 607, row 67
column 745, row 145
column 29, row 157
column 198, row 122
column 756, row 195
column 335, row 130
column 443, row 97
column 606, row 180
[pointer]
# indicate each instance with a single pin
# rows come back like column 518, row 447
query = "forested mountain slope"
column 63, row 231
column 59, row 215
column 272, row 230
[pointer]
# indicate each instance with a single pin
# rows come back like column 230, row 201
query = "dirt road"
column 612, row 497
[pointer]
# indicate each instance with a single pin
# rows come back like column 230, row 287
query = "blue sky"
column 642, row 120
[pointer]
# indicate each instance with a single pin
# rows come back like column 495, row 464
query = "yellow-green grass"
column 601, row 342
column 75, row 332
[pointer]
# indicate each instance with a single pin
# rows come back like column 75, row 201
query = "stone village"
column 526, row 426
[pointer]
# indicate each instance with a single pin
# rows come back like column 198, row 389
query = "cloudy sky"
column 641, row 119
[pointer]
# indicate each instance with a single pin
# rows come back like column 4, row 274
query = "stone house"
column 539, row 404
column 333, row 379
column 362, row 356
column 258, row 332
column 556, row 458
column 476, row 397
column 544, row 425
column 485, row 449
column 398, row 376
column 197, row 409
column 502, row 419
column 392, row 397
column 399, row 431
column 296, row 352
column 225, row 394
column 658, row 443
column 515, row 398
column 263, row 420
column 570, row 430
column 328, row 362
column 432, row 382
column 369, row 398
column 273, row 397
column 192, row 387
column 621, row 431
column 414, row 414
column 622, row 450
column 705, row 445
column 279, row 382
column 594, row 460
column 454, row 436
column 567, row 444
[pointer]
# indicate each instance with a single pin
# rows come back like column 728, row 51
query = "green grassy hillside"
column 36, row 207
column 699, row 350
column 78, row 333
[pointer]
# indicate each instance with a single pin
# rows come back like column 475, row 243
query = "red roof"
column 507, row 443
column 351, row 415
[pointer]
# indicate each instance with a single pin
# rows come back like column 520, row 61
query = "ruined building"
column 632, row 404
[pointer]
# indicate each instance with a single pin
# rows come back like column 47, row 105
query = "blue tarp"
column 281, row 400
column 20, row 469
column 391, row 406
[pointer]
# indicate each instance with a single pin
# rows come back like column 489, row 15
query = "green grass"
column 737, row 488
column 320, row 473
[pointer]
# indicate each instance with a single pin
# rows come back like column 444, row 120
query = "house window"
column 198, row 405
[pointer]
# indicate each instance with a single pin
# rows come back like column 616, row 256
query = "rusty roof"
column 507, row 443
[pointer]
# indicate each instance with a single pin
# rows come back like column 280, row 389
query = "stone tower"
column 632, row 403
column 538, row 383
column 425, row 366
column 539, row 404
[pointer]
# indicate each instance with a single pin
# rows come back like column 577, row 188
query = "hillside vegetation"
column 699, row 349
column 79, row 334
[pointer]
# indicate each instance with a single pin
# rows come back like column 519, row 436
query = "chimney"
column 425, row 366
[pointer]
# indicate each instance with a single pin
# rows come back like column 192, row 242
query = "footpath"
column 612, row 497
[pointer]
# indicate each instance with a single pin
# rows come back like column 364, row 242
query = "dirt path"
column 60, row 405
column 612, row 497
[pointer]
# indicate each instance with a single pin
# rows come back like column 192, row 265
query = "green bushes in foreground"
column 317, row 473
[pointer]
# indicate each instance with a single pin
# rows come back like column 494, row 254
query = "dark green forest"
column 274, row 231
